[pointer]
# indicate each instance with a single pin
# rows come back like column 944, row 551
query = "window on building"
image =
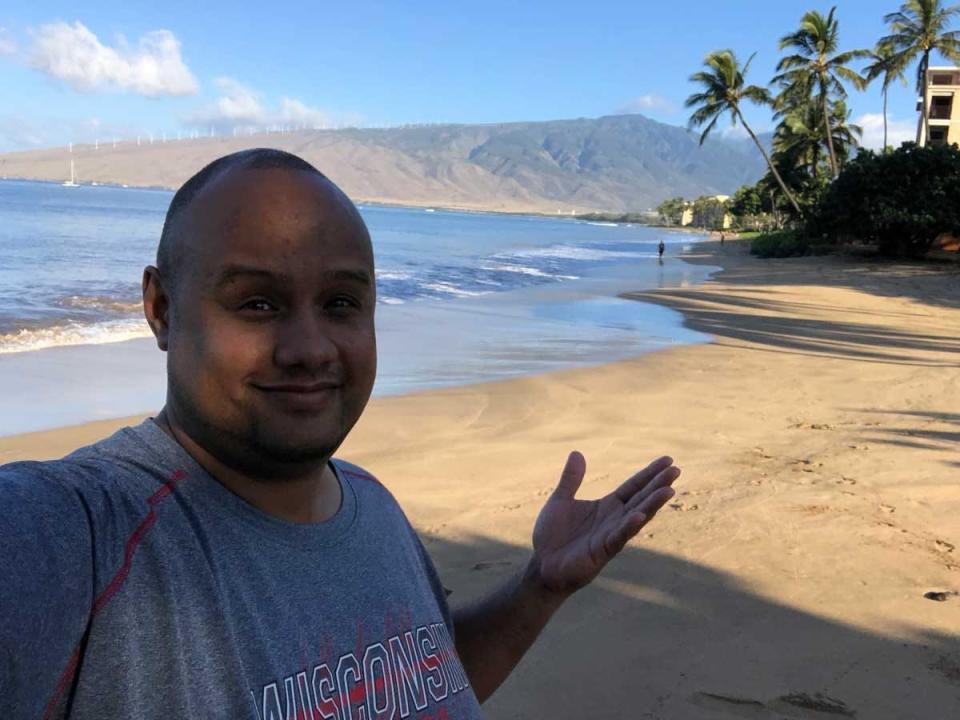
column 938, row 136
column 942, row 79
column 940, row 107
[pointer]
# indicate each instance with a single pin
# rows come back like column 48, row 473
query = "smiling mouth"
column 299, row 389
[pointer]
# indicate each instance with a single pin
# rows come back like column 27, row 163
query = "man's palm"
column 574, row 539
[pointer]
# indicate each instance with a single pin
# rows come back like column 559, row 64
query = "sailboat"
column 72, row 182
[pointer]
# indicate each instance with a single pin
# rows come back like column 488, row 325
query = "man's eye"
column 342, row 302
column 258, row 305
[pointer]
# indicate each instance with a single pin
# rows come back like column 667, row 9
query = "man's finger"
column 572, row 476
column 663, row 479
column 652, row 504
column 636, row 482
column 618, row 537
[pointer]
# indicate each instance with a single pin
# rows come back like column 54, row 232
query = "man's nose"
column 303, row 340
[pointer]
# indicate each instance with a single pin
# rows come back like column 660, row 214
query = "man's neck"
column 312, row 497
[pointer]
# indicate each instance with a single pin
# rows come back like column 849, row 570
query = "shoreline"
column 817, row 508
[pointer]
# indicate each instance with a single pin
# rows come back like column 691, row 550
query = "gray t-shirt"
column 133, row 584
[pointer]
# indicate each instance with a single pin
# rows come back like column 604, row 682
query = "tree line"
column 814, row 139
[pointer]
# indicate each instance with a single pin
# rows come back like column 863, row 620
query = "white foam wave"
column 574, row 252
column 525, row 270
column 101, row 302
column 601, row 224
column 30, row 339
column 453, row 290
column 393, row 275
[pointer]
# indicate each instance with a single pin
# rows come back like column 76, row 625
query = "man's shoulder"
column 116, row 462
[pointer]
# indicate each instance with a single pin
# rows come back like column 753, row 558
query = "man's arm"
column 46, row 587
column 572, row 542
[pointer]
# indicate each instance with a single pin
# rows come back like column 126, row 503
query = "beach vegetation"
column 723, row 88
column 671, row 211
column 900, row 201
column 815, row 73
column 888, row 66
column 779, row 244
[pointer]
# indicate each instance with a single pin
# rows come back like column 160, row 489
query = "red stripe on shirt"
column 115, row 584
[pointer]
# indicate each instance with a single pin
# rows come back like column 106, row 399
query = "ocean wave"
column 574, row 252
column 525, row 270
column 601, row 224
column 29, row 339
column 100, row 302
column 447, row 288
column 393, row 275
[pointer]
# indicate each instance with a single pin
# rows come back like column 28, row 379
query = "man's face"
column 272, row 352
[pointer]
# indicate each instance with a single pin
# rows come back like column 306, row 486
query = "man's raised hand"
column 574, row 539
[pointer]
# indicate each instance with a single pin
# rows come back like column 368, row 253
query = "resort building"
column 943, row 113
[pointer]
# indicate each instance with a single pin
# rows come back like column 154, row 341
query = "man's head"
column 263, row 297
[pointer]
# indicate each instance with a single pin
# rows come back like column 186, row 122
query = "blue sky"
column 80, row 71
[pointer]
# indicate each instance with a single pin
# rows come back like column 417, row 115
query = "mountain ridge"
column 612, row 163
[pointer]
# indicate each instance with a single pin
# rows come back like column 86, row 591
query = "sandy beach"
column 819, row 501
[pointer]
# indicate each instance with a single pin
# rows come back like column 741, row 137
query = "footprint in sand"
column 683, row 507
column 795, row 706
column 943, row 546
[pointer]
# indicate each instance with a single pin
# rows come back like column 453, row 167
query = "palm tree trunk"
column 829, row 130
column 885, row 120
column 773, row 170
column 922, row 130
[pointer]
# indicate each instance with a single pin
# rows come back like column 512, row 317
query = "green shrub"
column 787, row 243
column 900, row 201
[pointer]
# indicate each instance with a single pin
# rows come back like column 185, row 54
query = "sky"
column 100, row 70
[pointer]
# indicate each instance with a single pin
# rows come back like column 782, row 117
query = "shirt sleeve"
column 46, row 585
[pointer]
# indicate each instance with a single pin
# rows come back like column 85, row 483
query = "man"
column 660, row 248
column 215, row 561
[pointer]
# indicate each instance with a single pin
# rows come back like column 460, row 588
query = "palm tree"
column 920, row 28
column 817, row 66
column 799, row 140
column 885, row 62
column 724, row 87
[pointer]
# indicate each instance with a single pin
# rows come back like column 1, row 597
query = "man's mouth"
column 300, row 388
column 301, row 397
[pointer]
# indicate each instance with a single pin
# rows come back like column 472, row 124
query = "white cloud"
column 240, row 107
column 73, row 54
column 7, row 44
column 648, row 103
column 296, row 112
column 898, row 131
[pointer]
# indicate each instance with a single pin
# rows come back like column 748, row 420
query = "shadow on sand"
column 659, row 637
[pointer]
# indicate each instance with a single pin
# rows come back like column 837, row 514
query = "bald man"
column 216, row 560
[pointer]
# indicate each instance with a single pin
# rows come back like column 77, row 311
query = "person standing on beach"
column 216, row 560
column 660, row 248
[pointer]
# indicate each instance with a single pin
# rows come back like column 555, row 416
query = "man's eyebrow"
column 232, row 273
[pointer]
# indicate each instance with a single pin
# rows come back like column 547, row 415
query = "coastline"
column 817, row 435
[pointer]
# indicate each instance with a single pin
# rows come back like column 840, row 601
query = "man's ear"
column 156, row 305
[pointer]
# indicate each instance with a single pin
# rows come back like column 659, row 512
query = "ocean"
column 462, row 298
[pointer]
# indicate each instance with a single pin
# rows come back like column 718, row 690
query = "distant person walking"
column 721, row 238
column 660, row 249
